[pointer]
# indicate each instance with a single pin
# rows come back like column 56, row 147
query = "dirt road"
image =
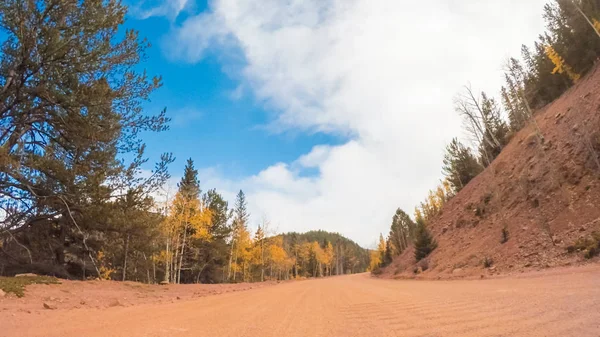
column 561, row 304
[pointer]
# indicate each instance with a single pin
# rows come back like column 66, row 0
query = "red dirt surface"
column 555, row 303
column 105, row 294
column 547, row 194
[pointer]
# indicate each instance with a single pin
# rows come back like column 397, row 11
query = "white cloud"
column 169, row 8
column 381, row 72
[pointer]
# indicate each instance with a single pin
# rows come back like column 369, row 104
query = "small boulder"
column 164, row 283
column 26, row 275
column 49, row 306
column 457, row 271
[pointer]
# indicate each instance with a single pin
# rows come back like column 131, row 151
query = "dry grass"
column 16, row 285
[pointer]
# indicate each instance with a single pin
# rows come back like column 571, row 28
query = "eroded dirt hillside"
column 545, row 192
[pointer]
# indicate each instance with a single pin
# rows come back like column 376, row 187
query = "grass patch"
column 16, row 285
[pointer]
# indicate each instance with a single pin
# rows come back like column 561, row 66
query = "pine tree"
column 483, row 122
column 189, row 186
column 513, row 94
column 71, row 116
column 240, row 237
column 213, row 254
column 494, row 128
column 401, row 231
column 424, row 242
column 460, row 166
column 241, row 208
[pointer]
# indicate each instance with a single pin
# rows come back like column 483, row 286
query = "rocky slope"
column 545, row 192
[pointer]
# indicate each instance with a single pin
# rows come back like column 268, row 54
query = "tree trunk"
column 153, row 270
column 230, row 259
column 174, row 260
column 235, row 261
column 167, row 264
column 181, row 255
column 125, row 258
column 262, row 262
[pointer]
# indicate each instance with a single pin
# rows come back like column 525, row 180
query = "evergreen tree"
column 240, row 236
column 424, row 242
column 71, row 114
column 513, row 93
column 214, row 253
column 401, row 231
column 189, row 186
column 460, row 166
column 494, row 128
column 241, row 208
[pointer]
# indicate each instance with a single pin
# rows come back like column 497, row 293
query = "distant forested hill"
column 324, row 253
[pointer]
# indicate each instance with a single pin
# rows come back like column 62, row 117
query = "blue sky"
column 213, row 121
column 328, row 114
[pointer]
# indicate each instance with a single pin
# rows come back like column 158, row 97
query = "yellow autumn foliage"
column 189, row 213
column 596, row 25
column 434, row 202
column 375, row 260
column 103, row 266
column 560, row 65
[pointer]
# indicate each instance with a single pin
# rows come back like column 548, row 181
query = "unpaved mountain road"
column 565, row 303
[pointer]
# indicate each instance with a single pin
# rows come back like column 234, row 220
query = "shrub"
column 487, row 262
column 589, row 245
column 505, row 235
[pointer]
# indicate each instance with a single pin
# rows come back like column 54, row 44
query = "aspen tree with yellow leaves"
column 328, row 254
column 188, row 219
column 381, row 250
column 375, row 260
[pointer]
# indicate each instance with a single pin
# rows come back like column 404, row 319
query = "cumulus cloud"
column 381, row 73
